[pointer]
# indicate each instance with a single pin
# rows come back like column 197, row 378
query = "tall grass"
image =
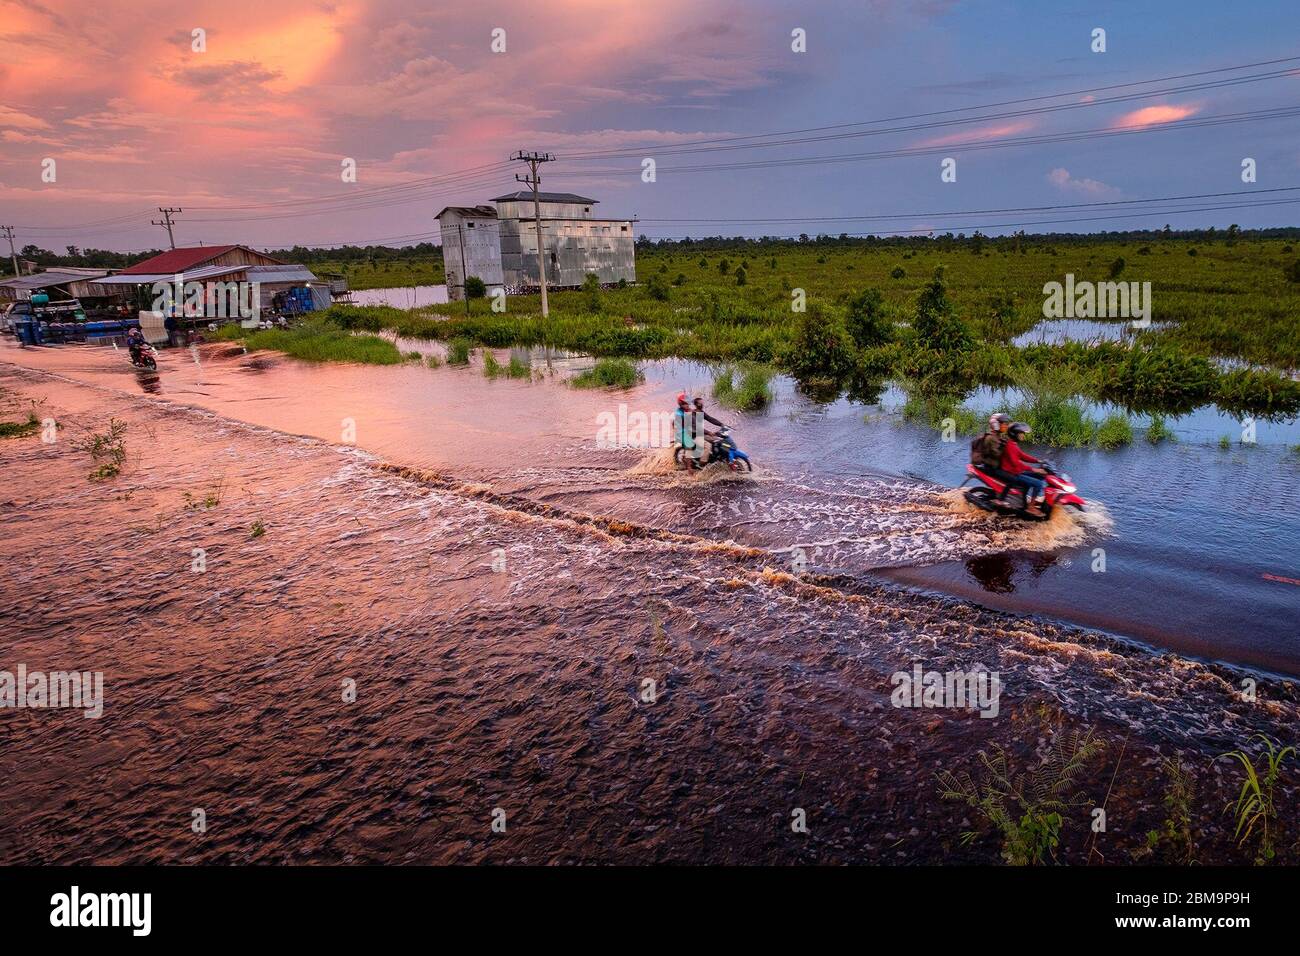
column 752, row 393
column 322, row 341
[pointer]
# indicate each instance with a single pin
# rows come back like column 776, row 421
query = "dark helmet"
column 1019, row 428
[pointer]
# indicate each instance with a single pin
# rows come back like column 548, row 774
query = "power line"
column 1038, row 222
column 972, row 145
column 960, row 109
column 990, row 212
column 674, row 149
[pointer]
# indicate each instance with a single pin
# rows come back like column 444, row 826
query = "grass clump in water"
column 1159, row 431
column 752, row 393
column 322, row 341
column 106, row 449
column 20, row 429
column 1114, row 432
column 608, row 373
column 458, row 351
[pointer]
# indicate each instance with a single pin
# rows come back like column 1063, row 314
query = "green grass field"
column 387, row 274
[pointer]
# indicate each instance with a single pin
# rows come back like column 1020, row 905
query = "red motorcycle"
column 1060, row 492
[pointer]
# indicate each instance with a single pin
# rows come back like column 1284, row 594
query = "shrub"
column 898, row 272
column 936, row 325
column 591, row 290
column 822, row 346
column 656, row 288
column 867, row 322
column 475, row 288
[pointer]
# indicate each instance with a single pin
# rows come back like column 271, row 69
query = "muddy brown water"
column 499, row 623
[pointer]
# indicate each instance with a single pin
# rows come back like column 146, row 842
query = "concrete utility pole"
column 533, row 179
column 166, row 221
column 9, row 234
column 464, row 293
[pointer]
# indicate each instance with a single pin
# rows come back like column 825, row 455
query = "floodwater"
column 496, row 586
column 1195, row 538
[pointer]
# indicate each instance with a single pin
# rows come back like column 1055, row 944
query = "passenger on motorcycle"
column 701, row 413
column 1018, row 462
column 986, row 454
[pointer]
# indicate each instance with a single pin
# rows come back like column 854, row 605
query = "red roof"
column 178, row 260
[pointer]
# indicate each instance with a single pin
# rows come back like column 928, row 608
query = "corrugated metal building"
column 60, row 283
column 499, row 243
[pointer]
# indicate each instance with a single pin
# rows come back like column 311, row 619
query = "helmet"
column 1019, row 428
column 682, row 399
column 997, row 419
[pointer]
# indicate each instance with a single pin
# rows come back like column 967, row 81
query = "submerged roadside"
column 370, row 661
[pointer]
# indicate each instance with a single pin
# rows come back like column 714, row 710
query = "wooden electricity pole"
column 166, row 221
column 535, row 180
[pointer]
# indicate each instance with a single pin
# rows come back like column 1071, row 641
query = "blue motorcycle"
column 722, row 448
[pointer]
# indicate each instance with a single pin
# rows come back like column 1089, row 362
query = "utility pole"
column 535, row 180
column 166, row 221
column 464, row 293
column 9, row 234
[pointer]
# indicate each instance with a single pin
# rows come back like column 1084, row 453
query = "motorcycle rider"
column 1017, row 462
column 684, row 426
column 986, row 454
column 134, row 340
column 709, row 419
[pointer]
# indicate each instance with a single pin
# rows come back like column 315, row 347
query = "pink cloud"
column 1154, row 116
column 979, row 134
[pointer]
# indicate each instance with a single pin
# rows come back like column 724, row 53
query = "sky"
column 245, row 115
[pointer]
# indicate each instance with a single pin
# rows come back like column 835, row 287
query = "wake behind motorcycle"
column 722, row 448
column 1060, row 493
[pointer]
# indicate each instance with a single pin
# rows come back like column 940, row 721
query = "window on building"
column 623, row 228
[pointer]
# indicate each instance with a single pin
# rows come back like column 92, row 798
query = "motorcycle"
column 722, row 448
column 1060, row 493
column 144, row 356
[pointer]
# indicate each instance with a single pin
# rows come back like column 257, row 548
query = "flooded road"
column 395, row 642
column 1198, row 544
